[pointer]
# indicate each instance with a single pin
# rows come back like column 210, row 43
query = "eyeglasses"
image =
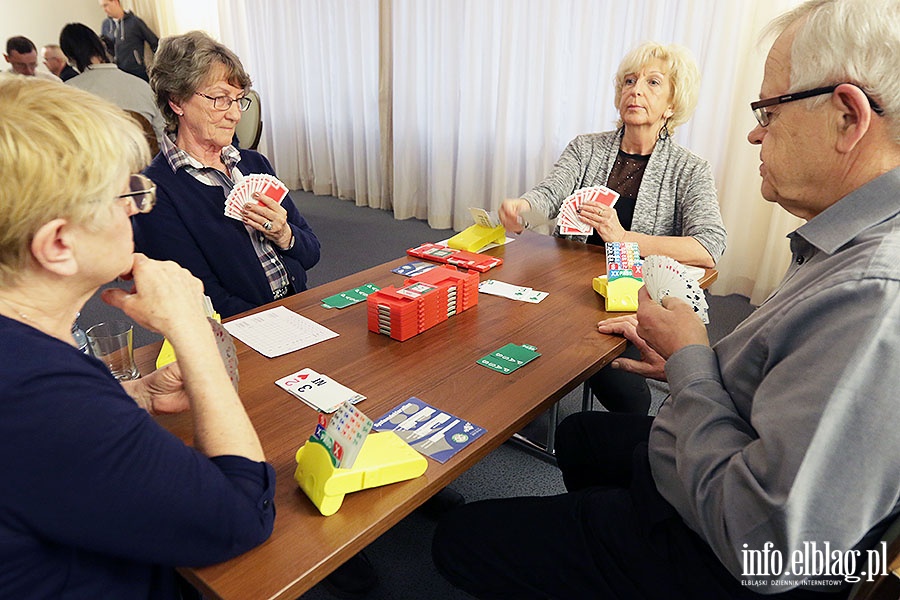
column 224, row 102
column 762, row 115
column 142, row 195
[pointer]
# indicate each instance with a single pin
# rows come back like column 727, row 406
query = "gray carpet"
column 355, row 238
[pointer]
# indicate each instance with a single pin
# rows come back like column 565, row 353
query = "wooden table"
column 438, row 366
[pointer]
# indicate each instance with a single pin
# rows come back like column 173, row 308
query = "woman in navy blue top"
column 201, row 88
column 98, row 500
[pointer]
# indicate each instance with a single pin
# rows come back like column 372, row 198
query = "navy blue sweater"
column 98, row 500
column 188, row 225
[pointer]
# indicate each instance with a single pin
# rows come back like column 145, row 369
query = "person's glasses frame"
column 762, row 115
column 142, row 196
column 225, row 102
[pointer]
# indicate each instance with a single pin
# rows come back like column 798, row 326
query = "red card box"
column 458, row 258
column 408, row 311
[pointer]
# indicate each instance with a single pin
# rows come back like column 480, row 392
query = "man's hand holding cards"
column 569, row 221
column 243, row 191
column 665, row 276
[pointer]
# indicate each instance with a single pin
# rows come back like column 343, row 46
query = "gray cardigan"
column 677, row 196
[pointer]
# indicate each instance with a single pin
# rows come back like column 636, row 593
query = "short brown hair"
column 183, row 63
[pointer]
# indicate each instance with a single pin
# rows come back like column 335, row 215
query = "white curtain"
column 463, row 103
column 315, row 65
column 492, row 92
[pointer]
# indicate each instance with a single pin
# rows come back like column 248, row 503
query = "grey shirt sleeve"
column 788, row 472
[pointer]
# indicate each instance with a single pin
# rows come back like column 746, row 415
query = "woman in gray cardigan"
column 667, row 197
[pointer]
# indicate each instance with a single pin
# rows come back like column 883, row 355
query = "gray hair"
column 182, row 65
column 852, row 41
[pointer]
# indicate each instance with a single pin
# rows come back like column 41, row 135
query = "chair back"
column 249, row 128
column 148, row 131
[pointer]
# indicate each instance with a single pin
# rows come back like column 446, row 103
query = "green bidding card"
column 509, row 358
column 350, row 297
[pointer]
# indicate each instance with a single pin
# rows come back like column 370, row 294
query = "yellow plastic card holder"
column 383, row 459
column 476, row 237
column 621, row 294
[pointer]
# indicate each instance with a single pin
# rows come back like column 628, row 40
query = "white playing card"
column 513, row 292
column 319, row 391
column 484, row 218
column 665, row 276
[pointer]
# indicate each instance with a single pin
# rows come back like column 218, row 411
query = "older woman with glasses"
column 98, row 499
column 201, row 88
column 667, row 197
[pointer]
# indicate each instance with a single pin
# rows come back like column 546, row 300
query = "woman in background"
column 201, row 88
column 100, row 76
column 667, row 197
column 99, row 501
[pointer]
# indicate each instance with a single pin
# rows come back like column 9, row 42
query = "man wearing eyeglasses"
column 21, row 54
column 772, row 467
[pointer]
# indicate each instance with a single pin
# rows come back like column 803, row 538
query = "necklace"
column 17, row 311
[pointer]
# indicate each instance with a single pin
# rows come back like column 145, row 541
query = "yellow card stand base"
column 476, row 237
column 621, row 294
column 384, row 458
column 167, row 352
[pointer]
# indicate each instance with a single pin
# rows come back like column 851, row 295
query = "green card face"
column 350, row 297
column 509, row 358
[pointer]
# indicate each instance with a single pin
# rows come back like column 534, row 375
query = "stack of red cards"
column 569, row 221
column 242, row 193
column 452, row 256
column 424, row 301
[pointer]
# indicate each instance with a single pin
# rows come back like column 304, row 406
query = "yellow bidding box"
column 476, row 237
column 621, row 293
column 383, row 459
column 167, row 352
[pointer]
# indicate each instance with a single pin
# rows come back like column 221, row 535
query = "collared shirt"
column 177, row 158
column 785, row 431
column 38, row 74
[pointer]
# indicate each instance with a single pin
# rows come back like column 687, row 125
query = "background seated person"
column 21, row 54
column 57, row 62
column 667, row 201
column 101, row 77
column 200, row 87
column 99, row 501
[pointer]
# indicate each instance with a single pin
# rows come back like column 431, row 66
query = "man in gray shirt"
column 772, row 467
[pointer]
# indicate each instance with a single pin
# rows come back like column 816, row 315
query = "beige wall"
column 41, row 20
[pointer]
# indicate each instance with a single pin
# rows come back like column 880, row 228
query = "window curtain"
column 429, row 107
column 491, row 93
column 315, row 64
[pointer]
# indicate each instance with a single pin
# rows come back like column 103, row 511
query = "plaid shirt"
column 177, row 158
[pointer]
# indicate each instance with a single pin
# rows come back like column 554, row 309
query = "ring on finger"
column 267, row 225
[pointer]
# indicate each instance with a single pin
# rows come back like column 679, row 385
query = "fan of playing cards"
column 664, row 276
column 569, row 221
column 241, row 193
